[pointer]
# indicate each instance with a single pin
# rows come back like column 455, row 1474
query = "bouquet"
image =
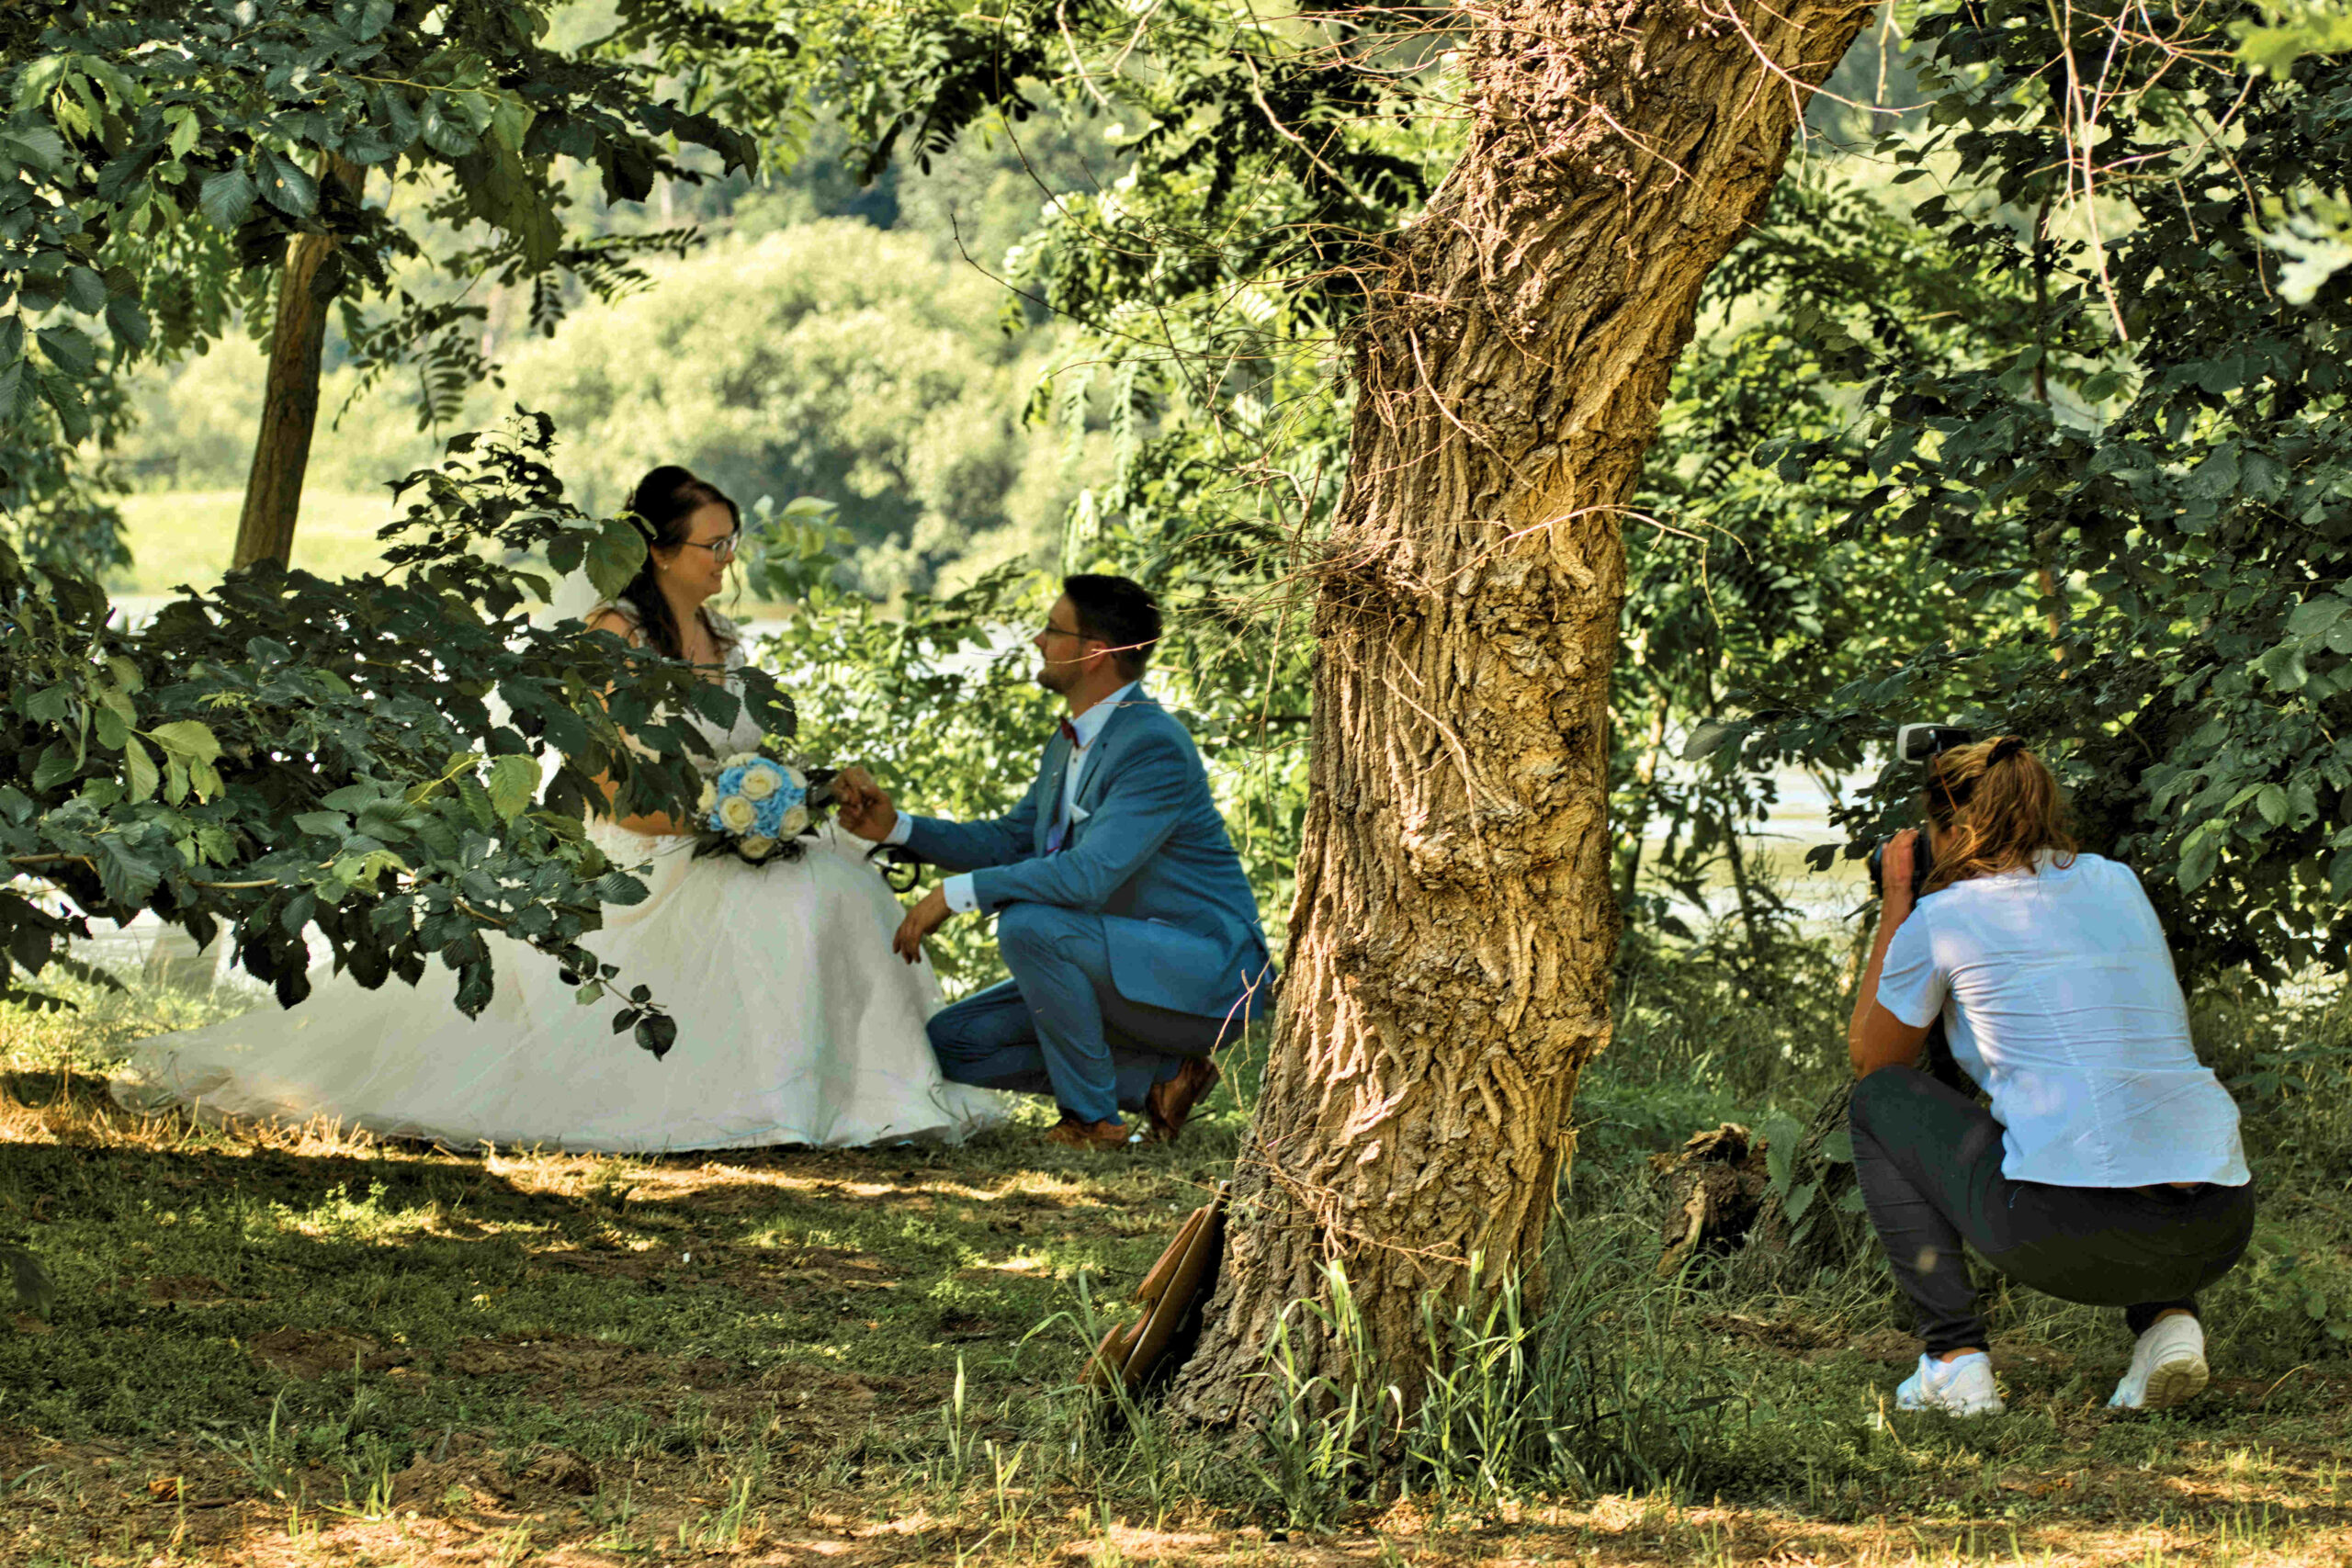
column 758, row 808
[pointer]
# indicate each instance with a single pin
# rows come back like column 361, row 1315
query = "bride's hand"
column 922, row 920
column 864, row 809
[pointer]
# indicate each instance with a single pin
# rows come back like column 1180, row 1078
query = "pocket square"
column 1078, row 813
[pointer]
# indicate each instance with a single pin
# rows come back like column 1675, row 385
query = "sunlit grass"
column 188, row 536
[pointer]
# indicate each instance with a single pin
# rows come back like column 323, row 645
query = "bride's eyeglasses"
column 722, row 551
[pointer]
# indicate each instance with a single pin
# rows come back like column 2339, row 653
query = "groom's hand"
column 864, row 808
column 922, row 920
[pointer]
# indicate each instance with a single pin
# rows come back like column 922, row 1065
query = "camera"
column 1916, row 744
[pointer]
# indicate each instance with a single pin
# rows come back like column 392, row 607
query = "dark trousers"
column 1060, row 1027
column 1928, row 1161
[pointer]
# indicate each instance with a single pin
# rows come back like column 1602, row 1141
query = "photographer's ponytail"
column 1994, row 808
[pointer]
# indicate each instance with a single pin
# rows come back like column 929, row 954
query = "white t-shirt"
column 2058, row 993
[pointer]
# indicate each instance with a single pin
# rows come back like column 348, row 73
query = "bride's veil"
column 573, row 598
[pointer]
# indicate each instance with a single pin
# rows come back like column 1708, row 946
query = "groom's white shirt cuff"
column 957, row 889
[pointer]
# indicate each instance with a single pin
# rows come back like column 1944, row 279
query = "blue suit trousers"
column 1060, row 1027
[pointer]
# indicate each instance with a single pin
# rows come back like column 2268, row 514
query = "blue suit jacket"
column 1145, row 849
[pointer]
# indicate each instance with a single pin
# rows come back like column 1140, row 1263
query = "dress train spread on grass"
column 797, row 1025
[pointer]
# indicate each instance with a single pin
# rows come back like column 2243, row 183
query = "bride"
column 797, row 1025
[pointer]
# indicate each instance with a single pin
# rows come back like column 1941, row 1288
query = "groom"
column 1122, row 910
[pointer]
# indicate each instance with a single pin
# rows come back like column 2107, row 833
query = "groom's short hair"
column 1116, row 609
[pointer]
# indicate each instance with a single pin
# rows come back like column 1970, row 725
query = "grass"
column 299, row 1345
column 187, row 536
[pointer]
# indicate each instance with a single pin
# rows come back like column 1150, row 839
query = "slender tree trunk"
column 289, row 409
column 1645, row 776
column 1748, row 921
column 1448, row 974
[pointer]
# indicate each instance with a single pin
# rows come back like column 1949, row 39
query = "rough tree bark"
column 289, row 409
column 1448, row 975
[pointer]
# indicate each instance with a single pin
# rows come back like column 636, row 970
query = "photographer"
column 2107, row 1169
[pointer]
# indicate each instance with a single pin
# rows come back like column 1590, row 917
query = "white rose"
column 799, row 780
column 795, row 821
column 755, row 847
column 758, row 783
column 740, row 760
column 708, row 798
column 737, row 815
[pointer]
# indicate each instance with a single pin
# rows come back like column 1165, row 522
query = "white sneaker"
column 1959, row 1387
column 2167, row 1366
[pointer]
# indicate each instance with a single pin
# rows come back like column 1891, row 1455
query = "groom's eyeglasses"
column 721, row 550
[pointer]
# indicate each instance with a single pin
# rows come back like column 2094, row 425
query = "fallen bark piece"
column 1715, row 1184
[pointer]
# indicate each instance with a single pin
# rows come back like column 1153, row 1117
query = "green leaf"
column 37, row 145
column 227, row 197
column 1781, row 1135
column 85, row 290
column 128, row 322
column 72, row 415
column 2315, row 615
column 614, row 557
column 2216, row 477
column 510, row 121
column 445, row 131
column 59, row 763
column 187, row 740
column 126, row 876
column 139, row 772
column 513, row 783
column 2271, row 801
column 2198, row 857
column 69, row 348
column 1801, row 1200
column 288, row 186
column 1837, row 1147
column 1709, row 738
column 112, row 731
column 20, row 392
column 49, row 704
column 185, row 126
column 715, row 703
column 36, row 1293
column 332, row 824
column 657, row 1032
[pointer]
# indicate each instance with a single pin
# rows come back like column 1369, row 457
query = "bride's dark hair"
column 662, row 500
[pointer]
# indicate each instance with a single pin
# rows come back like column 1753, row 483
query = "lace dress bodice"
column 744, row 734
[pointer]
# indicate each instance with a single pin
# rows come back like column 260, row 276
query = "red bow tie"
column 1070, row 732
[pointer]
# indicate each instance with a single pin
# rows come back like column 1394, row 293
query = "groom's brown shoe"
column 1071, row 1133
column 1170, row 1104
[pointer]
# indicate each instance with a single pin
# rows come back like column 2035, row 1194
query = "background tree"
column 2166, row 443
column 169, row 168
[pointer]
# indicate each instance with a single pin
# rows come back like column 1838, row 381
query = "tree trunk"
column 1645, row 778
column 1448, row 974
column 289, row 409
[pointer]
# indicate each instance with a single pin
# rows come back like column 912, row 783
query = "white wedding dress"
column 797, row 1025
